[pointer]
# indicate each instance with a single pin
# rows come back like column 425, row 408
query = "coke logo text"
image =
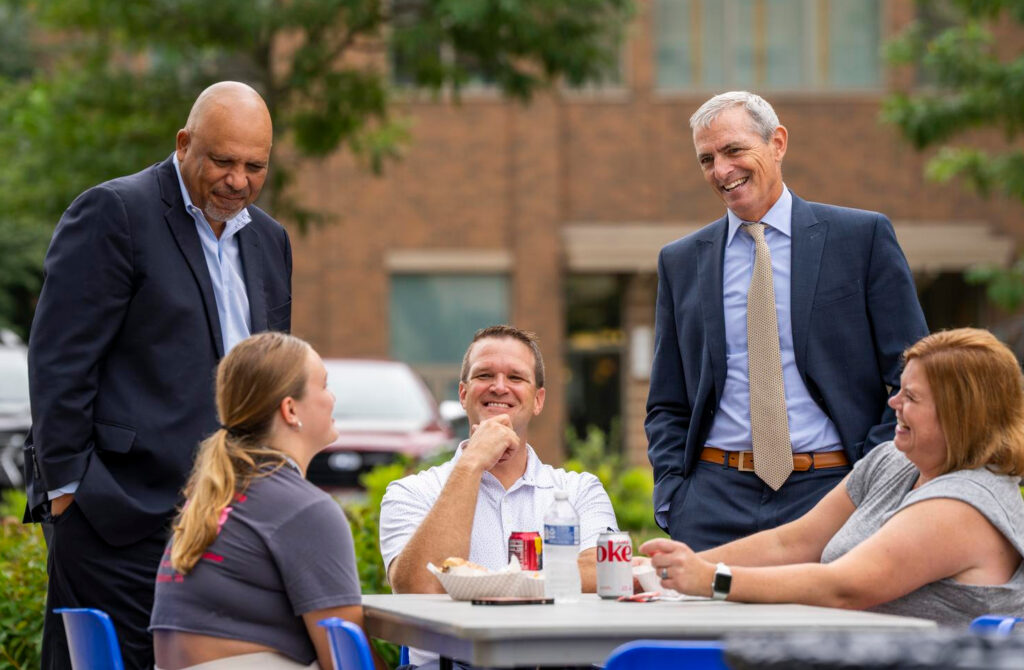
column 608, row 552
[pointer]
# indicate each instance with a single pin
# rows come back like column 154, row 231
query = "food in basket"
column 463, row 580
column 531, row 583
column 458, row 565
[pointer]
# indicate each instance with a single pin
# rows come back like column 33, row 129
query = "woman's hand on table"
column 679, row 567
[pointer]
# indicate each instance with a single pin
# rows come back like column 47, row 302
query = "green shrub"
column 364, row 519
column 22, row 585
column 630, row 489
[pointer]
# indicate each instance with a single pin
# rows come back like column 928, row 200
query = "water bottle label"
column 561, row 535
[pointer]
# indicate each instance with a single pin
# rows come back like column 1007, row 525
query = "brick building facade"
column 500, row 211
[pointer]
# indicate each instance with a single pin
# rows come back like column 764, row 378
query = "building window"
column 768, row 44
column 434, row 316
column 594, row 355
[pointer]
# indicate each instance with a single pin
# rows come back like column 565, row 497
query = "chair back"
column 994, row 624
column 682, row 654
column 92, row 641
column 349, row 647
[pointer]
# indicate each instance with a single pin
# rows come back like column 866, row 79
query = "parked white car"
column 15, row 416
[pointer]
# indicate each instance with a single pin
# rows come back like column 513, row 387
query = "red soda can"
column 614, row 564
column 528, row 546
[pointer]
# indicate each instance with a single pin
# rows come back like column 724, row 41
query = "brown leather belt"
column 744, row 460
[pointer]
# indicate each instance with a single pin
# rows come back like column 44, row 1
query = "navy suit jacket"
column 124, row 346
column 854, row 310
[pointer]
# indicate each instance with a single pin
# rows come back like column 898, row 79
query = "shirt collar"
column 778, row 217
column 293, row 463
column 231, row 226
column 535, row 474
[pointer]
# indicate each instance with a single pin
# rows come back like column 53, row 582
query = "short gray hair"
column 761, row 113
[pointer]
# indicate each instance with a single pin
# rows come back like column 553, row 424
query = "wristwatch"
column 721, row 583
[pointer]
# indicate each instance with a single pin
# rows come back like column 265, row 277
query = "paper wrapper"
column 467, row 584
column 649, row 580
column 531, row 584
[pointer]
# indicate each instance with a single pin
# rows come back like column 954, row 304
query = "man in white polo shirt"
column 494, row 485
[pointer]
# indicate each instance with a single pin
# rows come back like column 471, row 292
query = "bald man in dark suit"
column 149, row 280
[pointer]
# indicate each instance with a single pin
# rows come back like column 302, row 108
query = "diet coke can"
column 614, row 564
column 529, row 547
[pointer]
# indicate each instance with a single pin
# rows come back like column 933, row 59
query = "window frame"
column 815, row 52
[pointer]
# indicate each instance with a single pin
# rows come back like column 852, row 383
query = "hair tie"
column 232, row 432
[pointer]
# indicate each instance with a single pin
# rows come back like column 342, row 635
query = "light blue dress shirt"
column 810, row 428
column 224, row 262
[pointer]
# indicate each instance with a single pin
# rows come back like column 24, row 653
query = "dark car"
column 15, row 417
column 382, row 410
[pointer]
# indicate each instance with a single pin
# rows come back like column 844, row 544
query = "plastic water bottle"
column 561, row 549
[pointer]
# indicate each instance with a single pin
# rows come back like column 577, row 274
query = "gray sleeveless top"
column 880, row 485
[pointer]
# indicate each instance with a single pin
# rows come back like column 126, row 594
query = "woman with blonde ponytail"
column 258, row 555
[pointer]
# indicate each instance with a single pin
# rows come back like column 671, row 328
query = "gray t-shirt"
column 284, row 548
column 880, row 486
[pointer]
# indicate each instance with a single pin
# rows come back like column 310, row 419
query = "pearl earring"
column 298, row 425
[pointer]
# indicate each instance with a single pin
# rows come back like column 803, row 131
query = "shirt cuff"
column 70, row 487
column 661, row 516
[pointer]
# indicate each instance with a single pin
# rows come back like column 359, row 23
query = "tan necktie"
column 769, row 425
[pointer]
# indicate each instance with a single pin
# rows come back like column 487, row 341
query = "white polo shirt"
column 499, row 513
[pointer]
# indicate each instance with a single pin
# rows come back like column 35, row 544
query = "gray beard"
column 217, row 214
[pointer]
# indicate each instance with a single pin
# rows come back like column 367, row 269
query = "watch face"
column 721, row 584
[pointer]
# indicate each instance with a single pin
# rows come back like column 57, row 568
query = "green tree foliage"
column 364, row 520
column 969, row 85
column 22, row 586
column 110, row 83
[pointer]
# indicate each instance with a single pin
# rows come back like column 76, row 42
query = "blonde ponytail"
column 252, row 380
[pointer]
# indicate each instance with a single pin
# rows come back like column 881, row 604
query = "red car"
column 382, row 409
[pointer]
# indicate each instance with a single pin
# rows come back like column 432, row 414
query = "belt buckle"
column 749, row 466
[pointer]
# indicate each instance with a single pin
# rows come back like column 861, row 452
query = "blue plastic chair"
column 349, row 647
column 92, row 640
column 682, row 654
column 994, row 624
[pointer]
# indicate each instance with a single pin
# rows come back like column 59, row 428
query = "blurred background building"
column 550, row 216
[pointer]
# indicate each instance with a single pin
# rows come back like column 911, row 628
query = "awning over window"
column 633, row 247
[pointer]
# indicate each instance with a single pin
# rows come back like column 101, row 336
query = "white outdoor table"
column 586, row 632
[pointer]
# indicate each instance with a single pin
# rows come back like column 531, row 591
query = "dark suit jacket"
column 854, row 310
column 124, row 345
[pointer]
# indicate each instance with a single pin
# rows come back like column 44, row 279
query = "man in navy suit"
column 149, row 280
column 846, row 309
